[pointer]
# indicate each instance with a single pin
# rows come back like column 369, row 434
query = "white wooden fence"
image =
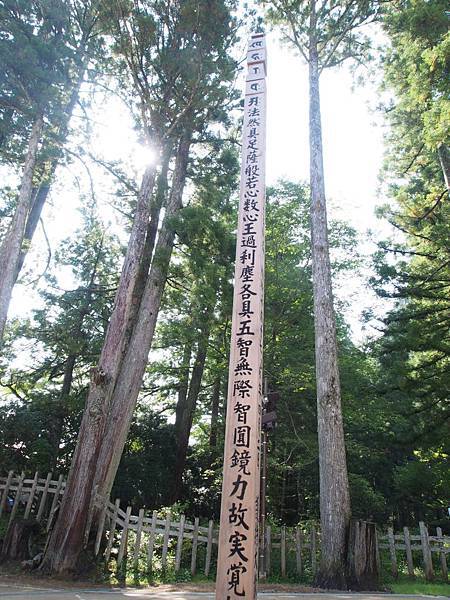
column 146, row 539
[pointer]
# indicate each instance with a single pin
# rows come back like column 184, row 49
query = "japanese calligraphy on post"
column 237, row 561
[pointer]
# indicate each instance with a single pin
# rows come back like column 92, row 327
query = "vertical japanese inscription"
column 237, row 561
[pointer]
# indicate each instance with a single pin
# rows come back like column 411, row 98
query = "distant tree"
column 45, row 50
column 64, row 338
column 325, row 34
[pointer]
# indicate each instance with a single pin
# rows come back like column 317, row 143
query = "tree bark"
column 40, row 197
column 66, row 541
column 12, row 244
column 444, row 158
column 185, row 410
column 129, row 380
column 362, row 557
column 215, row 405
column 334, row 490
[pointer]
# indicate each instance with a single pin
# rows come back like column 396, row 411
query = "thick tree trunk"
column 215, row 405
column 129, row 381
column 12, row 244
column 362, row 564
column 66, row 541
column 334, row 490
column 186, row 409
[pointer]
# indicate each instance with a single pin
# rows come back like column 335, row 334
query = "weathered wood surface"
column 362, row 562
column 238, row 547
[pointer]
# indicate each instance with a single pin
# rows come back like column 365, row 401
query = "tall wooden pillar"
column 238, row 540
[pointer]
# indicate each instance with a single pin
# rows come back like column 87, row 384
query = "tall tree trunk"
column 60, row 412
column 39, row 198
column 12, row 244
column 129, row 381
column 183, row 380
column 66, row 541
column 444, row 158
column 41, row 194
column 185, row 410
column 215, row 405
column 334, row 490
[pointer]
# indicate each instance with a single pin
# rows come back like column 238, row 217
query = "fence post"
column 43, row 497
column 283, row 551
column 426, row 552
column 101, row 526
column 165, row 542
column 442, row 554
column 409, row 557
column 194, row 547
column 55, row 501
column 151, row 541
column 31, row 496
column 391, row 540
column 209, row 547
column 124, row 537
column 137, row 545
column 17, row 498
column 179, row 544
column 5, row 491
column 313, row 549
column 112, row 530
column 268, row 548
column 298, row 549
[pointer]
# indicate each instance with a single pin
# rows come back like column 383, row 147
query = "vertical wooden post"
column 112, row 529
column 409, row 556
column 179, row 544
column 442, row 554
column 391, row 541
column 377, row 551
column 17, row 498
column 137, row 545
column 313, row 549
column 209, row 547
column 165, row 542
column 283, row 551
column 124, row 537
column 55, row 501
column 426, row 552
column 268, row 548
column 31, row 496
column 41, row 508
column 151, row 541
column 298, row 549
column 101, row 526
column 5, row 492
column 194, row 547
column 238, row 539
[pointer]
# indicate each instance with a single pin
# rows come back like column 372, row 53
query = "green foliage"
column 332, row 28
column 60, row 343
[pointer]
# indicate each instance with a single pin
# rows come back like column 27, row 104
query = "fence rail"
column 37, row 497
column 146, row 538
